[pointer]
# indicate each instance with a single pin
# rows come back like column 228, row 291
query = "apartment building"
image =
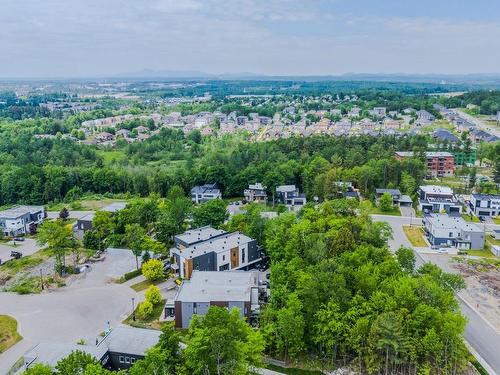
column 209, row 249
column 439, row 164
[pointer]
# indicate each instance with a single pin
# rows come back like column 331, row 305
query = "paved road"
column 479, row 123
column 26, row 247
column 478, row 333
column 80, row 310
column 72, row 214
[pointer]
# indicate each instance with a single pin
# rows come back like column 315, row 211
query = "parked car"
column 19, row 239
column 16, row 254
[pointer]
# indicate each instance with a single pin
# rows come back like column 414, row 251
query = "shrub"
column 153, row 295
column 144, row 310
column 153, row 269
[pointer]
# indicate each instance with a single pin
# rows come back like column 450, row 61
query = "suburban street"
column 478, row 333
column 479, row 123
column 80, row 310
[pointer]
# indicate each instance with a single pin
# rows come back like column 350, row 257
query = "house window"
column 132, row 360
column 127, row 359
column 242, row 255
column 195, row 308
column 450, row 234
column 223, row 258
column 121, row 359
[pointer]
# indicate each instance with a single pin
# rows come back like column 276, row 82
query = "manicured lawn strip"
column 493, row 241
column 415, row 235
column 472, row 218
column 480, row 253
column 143, row 285
column 148, row 322
column 377, row 211
column 496, row 220
column 8, row 332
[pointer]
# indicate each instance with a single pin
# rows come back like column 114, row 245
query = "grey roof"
column 429, row 154
column 18, row 211
column 405, row 199
column 89, row 217
column 206, row 286
column 122, row 339
column 444, row 221
column 436, row 189
column 205, row 189
column 390, row 191
column 445, row 135
column 218, row 244
column 286, row 188
column 193, row 236
column 486, row 196
column 131, row 340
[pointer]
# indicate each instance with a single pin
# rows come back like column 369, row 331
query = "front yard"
column 8, row 332
column 415, row 235
column 151, row 321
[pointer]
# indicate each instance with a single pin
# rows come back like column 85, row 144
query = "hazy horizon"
column 92, row 38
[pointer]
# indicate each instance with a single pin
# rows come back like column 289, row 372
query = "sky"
column 85, row 38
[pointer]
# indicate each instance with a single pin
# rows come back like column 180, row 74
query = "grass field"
column 8, row 332
column 485, row 253
column 415, row 236
column 377, row 211
column 15, row 266
column 143, row 285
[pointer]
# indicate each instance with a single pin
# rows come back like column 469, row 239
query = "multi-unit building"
column 119, row 349
column 205, row 193
column 209, row 249
column 439, row 164
column 445, row 230
column 433, row 198
column 236, row 289
column 20, row 219
column 290, row 196
column 485, row 204
column 255, row 193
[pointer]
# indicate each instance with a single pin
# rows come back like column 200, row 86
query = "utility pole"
column 133, row 309
column 41, row 278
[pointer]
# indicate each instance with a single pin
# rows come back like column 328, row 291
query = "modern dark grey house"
column 84, row 224
column 118, row 350
column 209, row 249
column 434, row 198
column 18, row 220
column 444, row 230
column 224, row 289
column 290, row 196
column 205, row 193
column 255, row 193
column 485, row 204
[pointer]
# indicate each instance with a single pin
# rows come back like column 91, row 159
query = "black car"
column 16, row 254
column 19, row 239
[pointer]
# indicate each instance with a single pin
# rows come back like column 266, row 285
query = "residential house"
column 209, row 249
column 354, row 112
column 478, row 136
column 21, row 219
column 119, row 349
column 395, row 194
column 443, row 135
column 238, row 289
column 485, row 204
column 84, row 223
column 205, row 193
column 290, row 196
column 444, row 230
column 124, row 133
column 378, row 112
column 424, row 117
column 434, row 198
column 104, row 137
column 255, row 193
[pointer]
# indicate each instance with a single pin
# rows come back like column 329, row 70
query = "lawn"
column 415, row 235
column 472, row 218
column 492, row 240
column 377, row 211
column 485, row 253
column 151, row 321
column 8, row 332
column 143, row 285
column 14, row 266
column 496, row 220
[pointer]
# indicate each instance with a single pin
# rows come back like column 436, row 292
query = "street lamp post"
column 41, row 278
column 133, row 309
